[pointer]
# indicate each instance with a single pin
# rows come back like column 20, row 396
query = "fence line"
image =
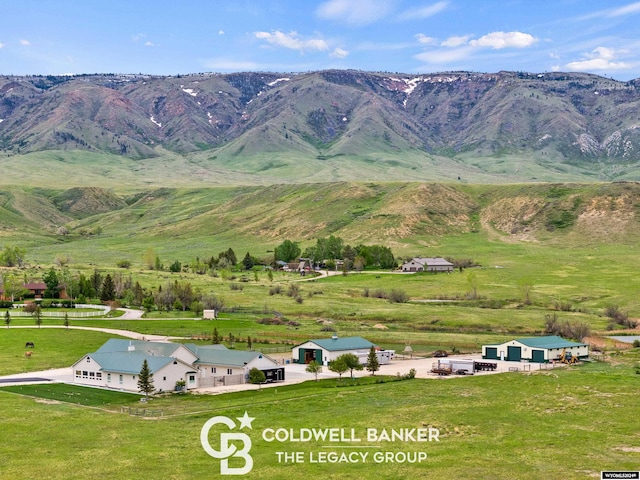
column 101, row 310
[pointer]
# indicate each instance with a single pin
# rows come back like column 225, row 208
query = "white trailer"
column 447, row 366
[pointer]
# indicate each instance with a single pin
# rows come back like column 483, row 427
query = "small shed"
column 535, row 349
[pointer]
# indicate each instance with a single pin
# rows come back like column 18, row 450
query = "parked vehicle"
column 461, row 366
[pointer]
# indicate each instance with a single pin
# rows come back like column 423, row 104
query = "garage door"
column 514, row 354
column 537, row 356
column 491, row 353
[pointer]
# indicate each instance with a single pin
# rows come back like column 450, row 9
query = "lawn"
column 567, row 423
column 54, row 348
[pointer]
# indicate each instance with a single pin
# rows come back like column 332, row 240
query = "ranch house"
column 325, row 350
column 535, row 349
column 434, row 265
column 117, row 364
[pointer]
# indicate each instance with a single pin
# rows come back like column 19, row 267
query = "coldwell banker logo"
column 229, row 442
column 329, row 445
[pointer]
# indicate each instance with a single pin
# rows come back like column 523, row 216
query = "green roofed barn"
column 325, row 350
column 535, row 349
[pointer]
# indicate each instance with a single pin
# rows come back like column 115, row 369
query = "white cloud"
column 1, row 45
column 424, row 40
column 445, row 56
column 339, row 53
column 601, row 58
column 355, row 12
column 220, row 32
column 630, row 9
column 149, row 44
column 424, row 12
column 455, row 41
column 499, row 40
column 292, row 41
column 626, row 10
column 26, row 43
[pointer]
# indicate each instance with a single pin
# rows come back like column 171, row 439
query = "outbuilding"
column 325, row 350
column 535, row 349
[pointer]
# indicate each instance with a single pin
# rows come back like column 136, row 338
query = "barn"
column 325, row 350
column 535, row 349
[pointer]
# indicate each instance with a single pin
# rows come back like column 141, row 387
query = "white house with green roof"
column 325, row 350
column 535, row 349
column 117, row 364
column 217, row 365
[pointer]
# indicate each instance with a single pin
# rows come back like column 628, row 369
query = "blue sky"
column 408, row 36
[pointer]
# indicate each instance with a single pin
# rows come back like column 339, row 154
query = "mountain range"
column 335, row 125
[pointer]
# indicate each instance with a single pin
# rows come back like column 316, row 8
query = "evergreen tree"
column 66, row 320
column 51, row 280
column 96, row 282
column 247, row 261
column 7, row 318
column 216, row 339
column 373, row 365
column 108, row 291
column 37, row 313
column 145, row 379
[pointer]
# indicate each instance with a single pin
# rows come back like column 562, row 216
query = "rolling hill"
column 92, row 224
column 265, row 128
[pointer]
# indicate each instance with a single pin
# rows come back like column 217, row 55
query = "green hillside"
column 94, row 225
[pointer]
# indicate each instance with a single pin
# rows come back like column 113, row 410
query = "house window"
column 192, row 379
column 78, row 373
column 229, row 371
column 213, row 369
column 92, row 375
column 120, row 379
column 109, row 377
column 88, row 360
column 164, row 379
column 99, row 375
column 84, row 374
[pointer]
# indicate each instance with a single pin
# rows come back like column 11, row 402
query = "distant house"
column 419, row 264
column 325, row 350
column 36, row 290
column 117, row 364
column 535, row 349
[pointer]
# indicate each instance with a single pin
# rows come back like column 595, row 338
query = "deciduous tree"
column 287, row 251
column 338, row 366
column 315, row 368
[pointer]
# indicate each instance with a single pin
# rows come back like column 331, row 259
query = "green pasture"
column 565, row 423
column 54, row 348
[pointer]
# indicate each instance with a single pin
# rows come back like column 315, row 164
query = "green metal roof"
column 128, row 362
column 214, row 355
column 336, row 344
column 160, row 349
column 552, row 341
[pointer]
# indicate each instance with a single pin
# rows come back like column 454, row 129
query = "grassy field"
column 567, row 423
